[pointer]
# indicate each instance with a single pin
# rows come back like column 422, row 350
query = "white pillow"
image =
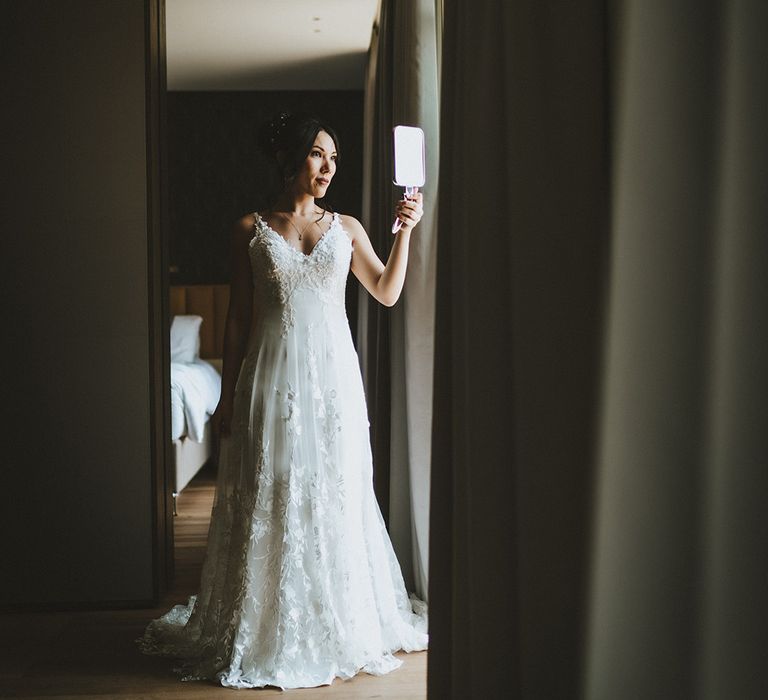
column 185, row 338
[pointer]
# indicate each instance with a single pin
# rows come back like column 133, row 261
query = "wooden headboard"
column 209, row 301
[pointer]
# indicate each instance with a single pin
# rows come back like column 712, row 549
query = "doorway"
column 205, row 103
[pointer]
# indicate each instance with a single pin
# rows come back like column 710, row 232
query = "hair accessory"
column 276, row 127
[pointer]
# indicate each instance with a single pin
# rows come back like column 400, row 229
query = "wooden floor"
column 92, row 654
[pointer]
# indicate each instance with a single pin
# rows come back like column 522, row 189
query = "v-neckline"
column 307, row 256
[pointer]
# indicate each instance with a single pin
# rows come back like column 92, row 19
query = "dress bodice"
column 284, row 277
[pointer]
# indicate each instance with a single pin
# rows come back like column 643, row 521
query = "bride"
column 300, row 583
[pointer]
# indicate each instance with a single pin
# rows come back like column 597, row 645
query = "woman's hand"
column 221, row 420
column 409, row 210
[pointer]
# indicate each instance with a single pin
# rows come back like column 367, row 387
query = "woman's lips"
column 323, row 181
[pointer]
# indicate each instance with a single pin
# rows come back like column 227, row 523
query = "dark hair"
column 292, row 137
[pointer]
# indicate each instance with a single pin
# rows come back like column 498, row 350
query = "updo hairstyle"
column 287, row 140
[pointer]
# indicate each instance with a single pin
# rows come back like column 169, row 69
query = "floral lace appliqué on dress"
column 300, row 583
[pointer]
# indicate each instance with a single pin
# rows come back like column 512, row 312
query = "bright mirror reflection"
column 409, row 156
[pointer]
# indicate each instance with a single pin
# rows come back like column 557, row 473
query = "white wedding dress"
column 300, row 583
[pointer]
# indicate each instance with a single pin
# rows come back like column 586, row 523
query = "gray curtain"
column 680, row 576
column 599, row 451
column 373, row 320
column 396, row 345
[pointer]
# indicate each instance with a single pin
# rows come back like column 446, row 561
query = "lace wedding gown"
column 300, row 583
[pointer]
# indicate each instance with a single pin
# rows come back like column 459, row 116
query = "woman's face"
column 317, row 171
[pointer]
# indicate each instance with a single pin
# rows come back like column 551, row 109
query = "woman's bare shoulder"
column 243, row 230
column 244, row 227
column 352, row 226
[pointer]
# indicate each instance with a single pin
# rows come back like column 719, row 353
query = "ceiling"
column 268, row 44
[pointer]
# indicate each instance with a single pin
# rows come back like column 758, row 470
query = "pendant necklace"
column 294, row 225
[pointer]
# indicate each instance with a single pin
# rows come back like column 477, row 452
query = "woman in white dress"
column 300, row 583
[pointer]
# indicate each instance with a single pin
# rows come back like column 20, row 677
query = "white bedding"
column 195, row 391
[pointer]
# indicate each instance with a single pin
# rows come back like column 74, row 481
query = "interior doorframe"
column 158, row 258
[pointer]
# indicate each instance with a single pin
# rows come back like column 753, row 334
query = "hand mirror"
column 409, row 161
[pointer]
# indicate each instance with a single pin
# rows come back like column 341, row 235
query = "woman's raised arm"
column 384, row 282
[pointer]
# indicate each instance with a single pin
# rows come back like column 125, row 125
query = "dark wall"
column 75, row 512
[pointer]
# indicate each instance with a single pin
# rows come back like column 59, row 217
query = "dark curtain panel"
column 523, row 233
column 680, row 572
column 598, row 523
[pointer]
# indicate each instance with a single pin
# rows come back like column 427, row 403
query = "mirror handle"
column 398, row 222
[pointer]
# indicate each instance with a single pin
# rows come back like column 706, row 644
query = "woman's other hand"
column 221, row 420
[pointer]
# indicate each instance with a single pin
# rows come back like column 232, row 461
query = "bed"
column 198, row 314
